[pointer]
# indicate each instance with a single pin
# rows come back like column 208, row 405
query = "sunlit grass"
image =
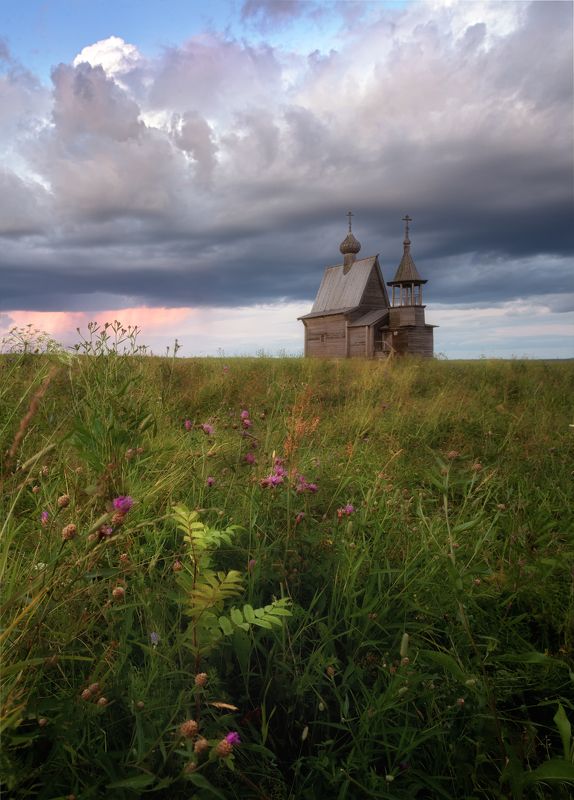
column 418, row 529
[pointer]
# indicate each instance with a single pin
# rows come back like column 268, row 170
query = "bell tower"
column 410, row 333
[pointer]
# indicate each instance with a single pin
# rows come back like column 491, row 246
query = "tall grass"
column 391, row 616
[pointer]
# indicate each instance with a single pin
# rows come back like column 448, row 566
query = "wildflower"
column 244, row 414
column 330, row 671
column 460, row 702
column 123, row 503
column 201, row 679
column 63, row 501
column 299, row 518
column 154, row 638
column 86, row 695
column 207, row 429
column 177, row 566
column 36, row 489
column 224, row 748
column 249, row 458
column 251, row 565
column 226, row 368
column 201, row 745
column 188, row 729
column 246, row 423
column 44, row 517
column 69, row 532
column 346, row 511
column 452, row 454
column 42, row 722
column 105, row 531
column 103, row 701
column 187, row 424
column 476, row 467
column 119, row 593
column 210, row 481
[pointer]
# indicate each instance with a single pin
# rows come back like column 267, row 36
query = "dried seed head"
column 188, row 729
column 63, row 501
column 330, row 671
column 119, row 593
column 477, row 466
column 92, row 537
column 177, row 566
column 94, row 688
column 201, row 745
column 44, row 471
column 36, row 489
column 140, row 704
column 118, row 518
column 86, row 695
column 103, row 701
column 201, row 679
column 460, row 701
column 405, row 661
column 124, row 559
column 42, row 722
column 452, row 454
column 190, row 767
column 69, row 532
column 223, row 749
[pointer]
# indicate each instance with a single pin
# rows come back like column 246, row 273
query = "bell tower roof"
column 406, row 271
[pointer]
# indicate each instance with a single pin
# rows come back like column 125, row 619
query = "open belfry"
column 352, row 315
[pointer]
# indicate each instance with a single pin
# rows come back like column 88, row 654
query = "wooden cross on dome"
column 406, row 220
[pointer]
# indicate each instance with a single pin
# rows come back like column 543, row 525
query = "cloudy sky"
column 187, row 166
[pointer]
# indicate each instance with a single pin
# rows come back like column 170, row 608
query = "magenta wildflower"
column 210, row 481
column 250, row 458
column 233, row 738
column 303, row 485
column 123, row 503
column 246, row 423
column 244, row 414
column 207, row 429
column 346, row 511
column 187, row 425
column 44, row 517
column 251, row 565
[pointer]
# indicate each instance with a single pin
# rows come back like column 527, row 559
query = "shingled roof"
column 342, row 288
column 406, row 271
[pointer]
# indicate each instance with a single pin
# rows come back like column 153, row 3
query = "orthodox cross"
column 406, row 220
column 350, row 214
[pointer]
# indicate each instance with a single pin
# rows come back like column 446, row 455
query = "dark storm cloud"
column 220, row 174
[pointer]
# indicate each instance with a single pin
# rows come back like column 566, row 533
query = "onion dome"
column 349, row 245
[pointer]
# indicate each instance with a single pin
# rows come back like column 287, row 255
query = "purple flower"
column 251, row 565
column 349, row 509
column 244, row 414
column 154, row 637
column 44, row 517
column 187, row 424
column 312, row 487
column 246, row 422
column 210, row 481
column 299, row 518
column 207, row 429
column 275, row 480
column 123, row 503
column 250, row 458
column 233, row 738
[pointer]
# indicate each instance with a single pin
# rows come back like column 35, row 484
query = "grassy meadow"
column 286, row 579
